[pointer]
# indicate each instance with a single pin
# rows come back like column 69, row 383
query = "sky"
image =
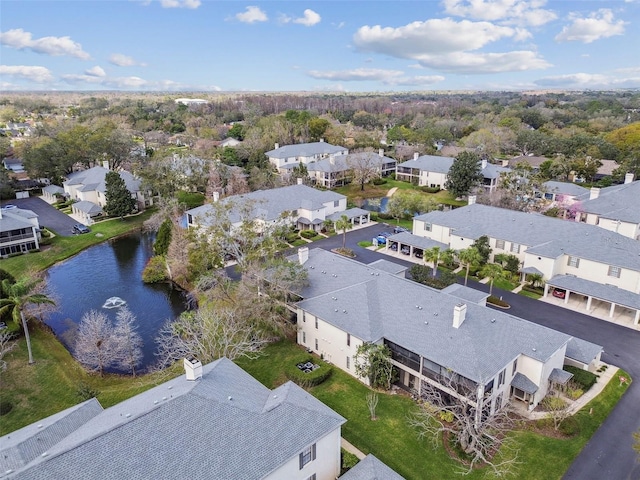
column 342, row 46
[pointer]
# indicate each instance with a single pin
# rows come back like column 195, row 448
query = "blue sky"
column 351, row 45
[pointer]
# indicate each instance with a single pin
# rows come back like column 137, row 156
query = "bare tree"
column 128, row 341
column 372, row 403
column 365, row 167
column 557, row 410
column 209, row 333
column 7, row 343
column 95, row 342
column 456, row 410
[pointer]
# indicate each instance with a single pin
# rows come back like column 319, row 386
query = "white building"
column 289, row 156
column 299, row 205
column 19, row 231
column 337, row 171
column 221, row 424
column 601, row 265
column 434, row 336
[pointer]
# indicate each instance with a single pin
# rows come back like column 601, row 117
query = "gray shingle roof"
column 582, row 351
column 560, row 376
column 544, row 236
column 227, row 425
column 94, row 179
column 88, row 207
column 417, row 241
column 610, row 293
column 53, row 189
column 370, row 468
column 618, row 202
column 565, row 188
column 342, row 163
column 350, row 213
column 523, row 383
column 269, row 204
column 466, row 293
column 371, row 305
column 429, row 163
column 16, row 218
column 305, row 150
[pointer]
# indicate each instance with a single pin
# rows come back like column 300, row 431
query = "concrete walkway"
column 392, row 191
column 351, row 449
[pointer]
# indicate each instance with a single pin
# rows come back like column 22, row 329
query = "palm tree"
column 433, row 255
column 18, row 296
column 447, row 257
column 344, row 224
column 469, row 256
column 494, row 272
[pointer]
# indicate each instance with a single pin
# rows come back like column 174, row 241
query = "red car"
column 557, row 292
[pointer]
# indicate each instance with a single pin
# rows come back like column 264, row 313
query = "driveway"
column 609, row 453
column 48, row 216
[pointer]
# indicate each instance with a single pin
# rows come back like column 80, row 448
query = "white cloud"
column 338, row 26
column 192, row 4
column 123, row 60
column 447, row 45
column 32, row 73
column 597, row 25
column 309, row 18
column 520, row 12
column 387, row 77
column 110, row 82
column 590, row 80
column 56, row 46
column 96, row 71
column 252, row 15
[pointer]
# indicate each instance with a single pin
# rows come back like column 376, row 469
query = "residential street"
column 609, row 455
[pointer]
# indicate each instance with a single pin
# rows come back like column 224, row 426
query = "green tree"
column 494, row 272
column 373, row 362
column 433, row 255
column 344, row 224
column 469, row 257
column 17, row 297
column 317, row 128
column 236, row 131
column 163, row 238
column 465, row 174
column 484, row 249
column 119, row 201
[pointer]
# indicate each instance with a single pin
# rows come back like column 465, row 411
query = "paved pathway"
column 351, row 449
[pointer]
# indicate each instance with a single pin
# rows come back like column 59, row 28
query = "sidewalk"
column 351, row 449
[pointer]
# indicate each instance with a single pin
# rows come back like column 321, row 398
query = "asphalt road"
column 48, row 216
column 609, row 454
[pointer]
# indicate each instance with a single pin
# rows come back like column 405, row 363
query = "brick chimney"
column 594, row 193
column 459, row 314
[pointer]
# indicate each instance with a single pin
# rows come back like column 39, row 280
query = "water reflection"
column 113, row 269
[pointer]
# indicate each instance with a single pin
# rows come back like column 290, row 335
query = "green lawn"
column 504, row 284
column 395, row 443
column 533, row 295
column 51, row 384
column 65, row 247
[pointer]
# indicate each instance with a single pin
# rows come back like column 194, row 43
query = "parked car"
column 418, row 253
column 559, row 293
column 80, row 228
column 405, row 250
column 400, row 229
column 393, row 246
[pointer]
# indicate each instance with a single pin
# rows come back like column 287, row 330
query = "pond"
column 101, row 278
column 376, row 204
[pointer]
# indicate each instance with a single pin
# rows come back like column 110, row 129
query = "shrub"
column 379, row 181
column 348, row 461
column 584, row 378
column 46, row 241
column 85, row 392
column 385, row 216
column 5, row 407
column 155, row 271
column 551, row 403
column 574, row 393
column 308, row 234
column 570, row 427
column 430, row 189
column 311, row 379
column 424, row 274
column 493, row 300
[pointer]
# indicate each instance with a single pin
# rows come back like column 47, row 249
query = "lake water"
column 376, row 204
column 113, row 269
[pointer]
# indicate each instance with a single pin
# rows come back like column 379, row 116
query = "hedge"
column 585, row 378
column 430, row 189
column 493, row 300
column 311, row 379
column 379, row 181
column 424, row 274
column 308, row 234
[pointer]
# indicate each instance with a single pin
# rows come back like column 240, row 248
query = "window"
column 312, row 477
column 316, row 344
column 307, row 455
column 304, row 316
column 515, row 367
column 573, row 261
column 427, row 226
column 500, row 244
column 348, row 339
column 304, row 337
column 348, row 363
column 614, row 271
column 336, row 203
column 501, row 377
column 316, row 323
column 515, row 247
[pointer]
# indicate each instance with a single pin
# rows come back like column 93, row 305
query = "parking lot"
column 48, row 216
